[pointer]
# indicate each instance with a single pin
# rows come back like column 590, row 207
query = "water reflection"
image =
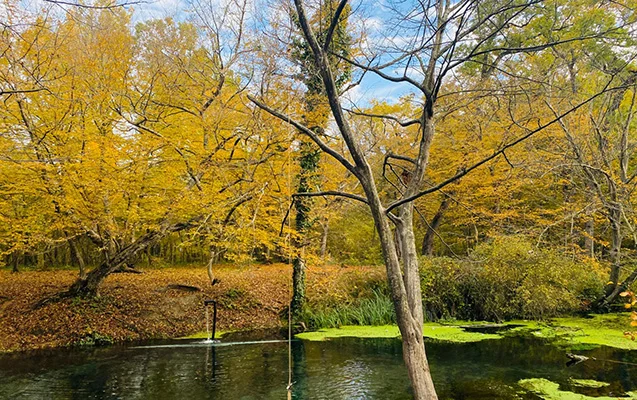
column 339, row 369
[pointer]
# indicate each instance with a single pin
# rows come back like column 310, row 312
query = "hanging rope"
column 289, row 240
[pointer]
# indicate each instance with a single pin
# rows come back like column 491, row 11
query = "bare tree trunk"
column 76, row 255
column 326, row 227
column 615, row 252
column 211, row 261
column 405, row 292
column 88, row 286
column 589, row 242
column 16, row 261
column 432, row 228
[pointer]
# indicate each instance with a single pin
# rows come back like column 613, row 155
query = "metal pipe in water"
column 207, row 323
column 206, row 303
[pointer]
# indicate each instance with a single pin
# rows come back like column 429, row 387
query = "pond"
column 344, row 368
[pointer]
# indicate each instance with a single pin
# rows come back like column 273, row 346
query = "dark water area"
column 337, row 369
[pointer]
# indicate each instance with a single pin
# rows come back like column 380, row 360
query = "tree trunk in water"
column 298, row 286
column 404, row 285
column 415, row 358
column 432, row 228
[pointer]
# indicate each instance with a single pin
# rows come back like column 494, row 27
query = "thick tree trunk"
column 428, row 241
column 404, row 284
column 89, row 286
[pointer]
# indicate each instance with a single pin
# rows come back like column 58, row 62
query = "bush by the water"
column 506, row 278
column 509, row 278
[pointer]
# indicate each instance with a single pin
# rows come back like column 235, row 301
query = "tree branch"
column 332, row 193
column 334, row 23
column 308, row 132
column 404, row 124
column 465, row 171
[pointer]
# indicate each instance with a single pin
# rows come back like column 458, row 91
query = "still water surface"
column 337, row 369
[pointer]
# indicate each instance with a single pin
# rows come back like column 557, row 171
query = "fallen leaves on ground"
column 139, row 306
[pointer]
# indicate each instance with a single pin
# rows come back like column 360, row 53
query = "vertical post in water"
column 207, row 322
column 206, row 303
column 214, row 320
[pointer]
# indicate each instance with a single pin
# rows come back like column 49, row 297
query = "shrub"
column 508, row 278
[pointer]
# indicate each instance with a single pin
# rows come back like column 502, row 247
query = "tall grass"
column 375, row 310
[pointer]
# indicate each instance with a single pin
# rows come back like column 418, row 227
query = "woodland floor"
column 139, row 306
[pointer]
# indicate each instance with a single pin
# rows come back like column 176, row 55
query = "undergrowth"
column 374, row 310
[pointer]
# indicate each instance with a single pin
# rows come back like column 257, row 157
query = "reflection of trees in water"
column 337, row 369
column 299, row 374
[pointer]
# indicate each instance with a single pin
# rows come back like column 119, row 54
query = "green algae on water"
column 549, row 390
column 204, row 335
column 430, row 330
column 583, row 333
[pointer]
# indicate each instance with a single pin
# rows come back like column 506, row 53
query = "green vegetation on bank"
column 507, row 278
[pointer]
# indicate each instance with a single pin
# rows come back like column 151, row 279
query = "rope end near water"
column 289, row 389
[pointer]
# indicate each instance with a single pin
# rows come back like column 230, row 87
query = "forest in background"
column 127, row 143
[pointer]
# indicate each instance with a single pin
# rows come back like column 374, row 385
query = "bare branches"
column 334, row 24
column 308, row 132
column 497, row 153
column 107, row 6
column 404, row 124
column 332, row 193
column 21, row 91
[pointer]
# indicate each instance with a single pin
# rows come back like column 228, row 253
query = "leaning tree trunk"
column 432, row 228
column 88, row 286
